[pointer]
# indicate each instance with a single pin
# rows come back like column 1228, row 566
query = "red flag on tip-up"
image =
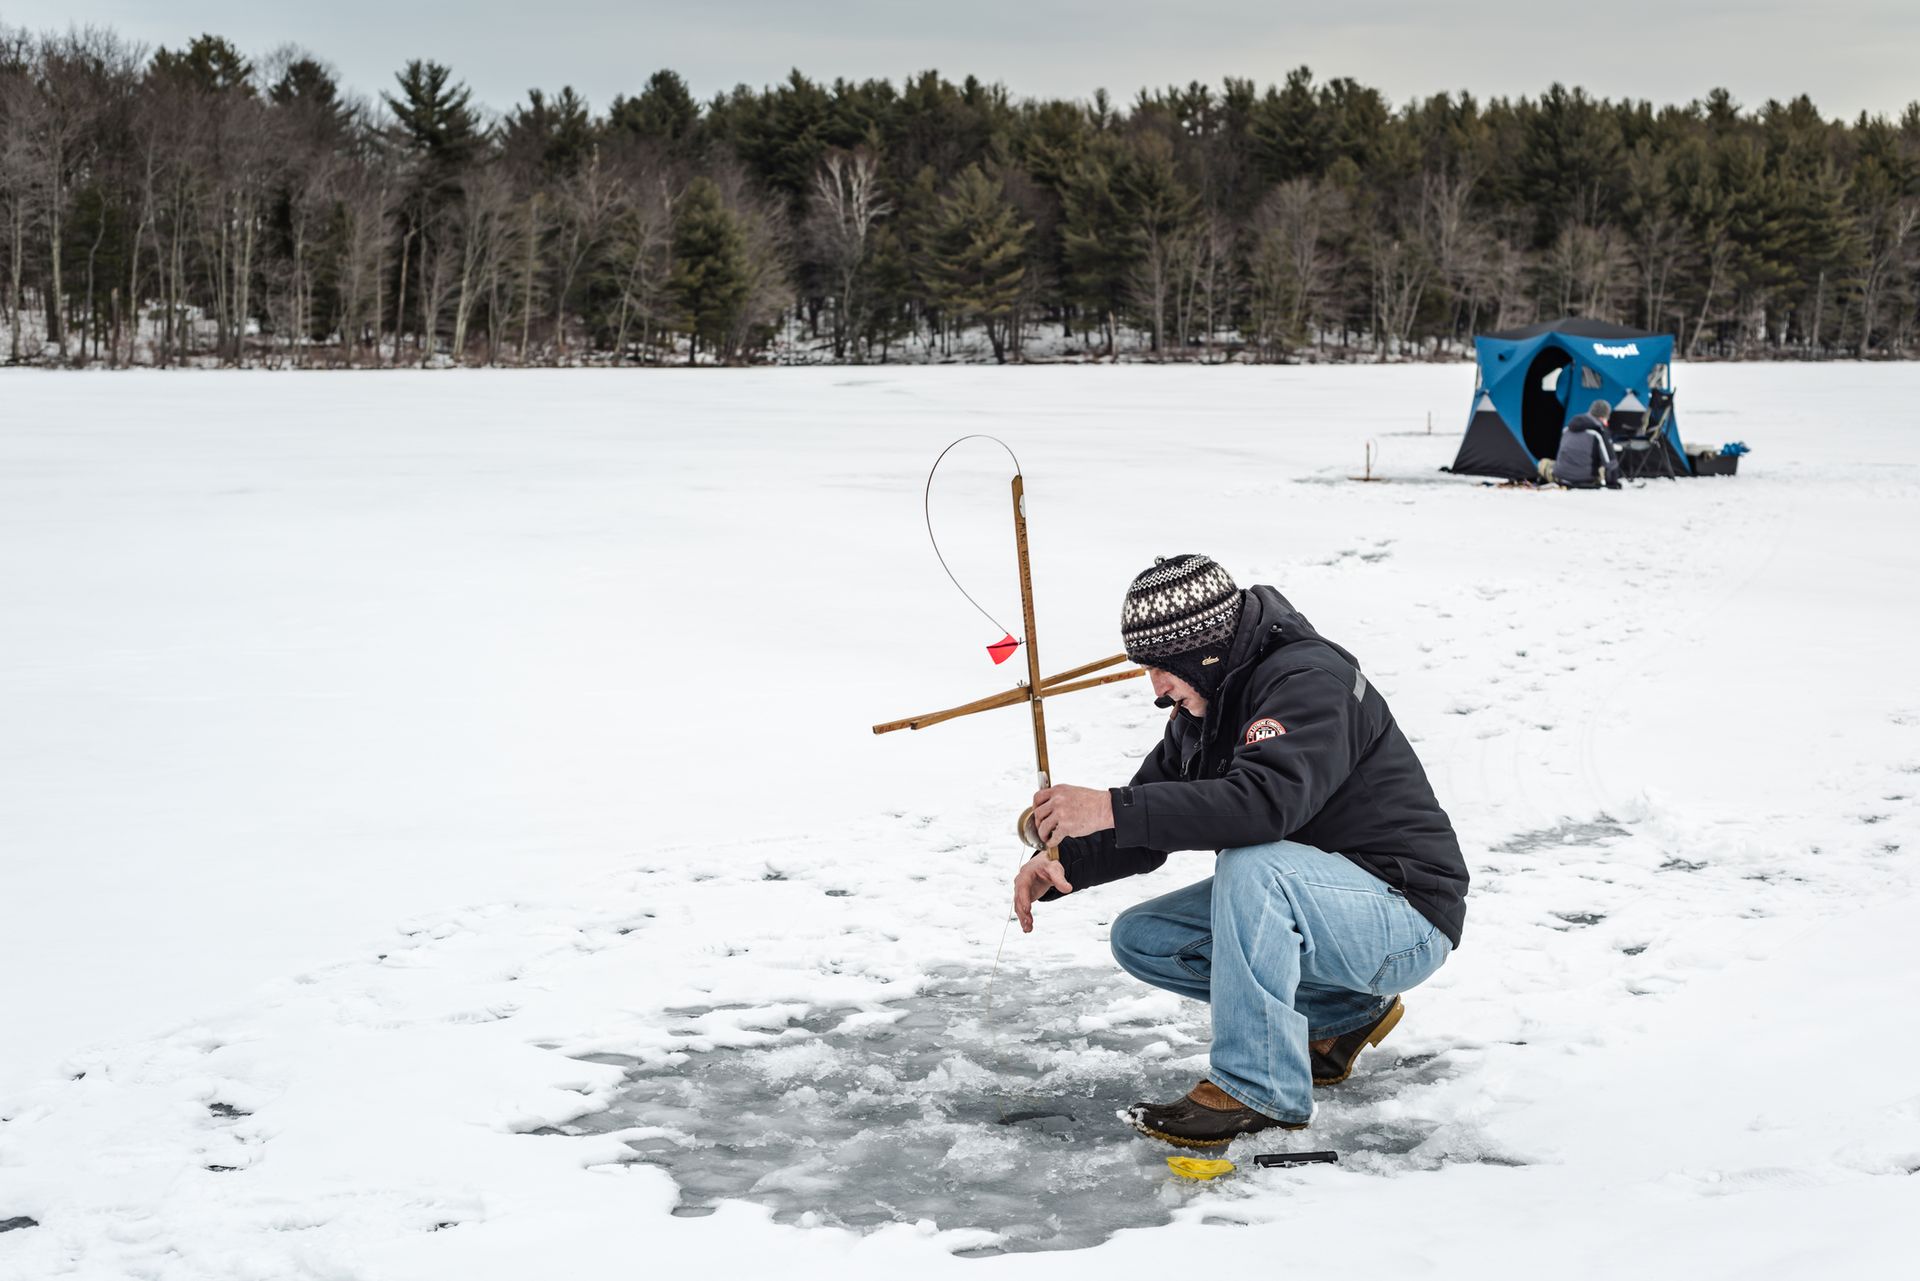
column 1003, row 648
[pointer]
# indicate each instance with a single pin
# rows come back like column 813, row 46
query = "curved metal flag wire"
column 1002, row 649
column 1037, row 688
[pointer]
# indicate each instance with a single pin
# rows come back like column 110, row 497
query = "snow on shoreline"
column 571, row 674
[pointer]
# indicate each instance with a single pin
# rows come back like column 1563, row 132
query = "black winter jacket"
column 1298, row 746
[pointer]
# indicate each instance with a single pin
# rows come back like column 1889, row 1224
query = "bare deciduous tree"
column 1400, row 271
column 846, row 206
column 17, row 111
column 1891, row 245
column 1458, row 243
column 437, row 263
column 1292, row 262
column 485, row 218
column 1587, row 268
column 639, row 260
column 67, row 75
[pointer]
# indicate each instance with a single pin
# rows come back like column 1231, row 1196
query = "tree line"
column 195, row 205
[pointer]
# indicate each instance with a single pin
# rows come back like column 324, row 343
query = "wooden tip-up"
column 1064, row 683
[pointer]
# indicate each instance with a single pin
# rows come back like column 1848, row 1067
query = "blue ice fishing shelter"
column 1533, row 379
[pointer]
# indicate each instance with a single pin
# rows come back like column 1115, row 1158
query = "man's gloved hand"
column 1038, row 875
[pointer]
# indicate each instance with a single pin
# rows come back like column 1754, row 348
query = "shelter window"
column 1657, row 380
column 1589, row 377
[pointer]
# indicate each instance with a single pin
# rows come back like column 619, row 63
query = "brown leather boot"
column 1333, row 1058
column 1208, row 1117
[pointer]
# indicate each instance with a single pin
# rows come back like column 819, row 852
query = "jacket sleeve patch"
column 1263, row 729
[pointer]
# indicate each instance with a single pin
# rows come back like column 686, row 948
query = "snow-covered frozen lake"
column 441, row 835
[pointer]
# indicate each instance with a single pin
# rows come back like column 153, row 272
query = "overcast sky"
column 1849, row 55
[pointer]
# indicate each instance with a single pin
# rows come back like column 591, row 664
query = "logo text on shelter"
column 1630, row 349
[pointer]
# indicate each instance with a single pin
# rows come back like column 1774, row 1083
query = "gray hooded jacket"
column 1586, row 459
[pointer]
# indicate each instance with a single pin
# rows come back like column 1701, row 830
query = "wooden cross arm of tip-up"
column 1038, row 688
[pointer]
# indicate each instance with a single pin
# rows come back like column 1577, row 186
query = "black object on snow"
column 1267, row 1160
column 20, row 1221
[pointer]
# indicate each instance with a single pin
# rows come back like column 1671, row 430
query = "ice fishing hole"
column 918, row 1109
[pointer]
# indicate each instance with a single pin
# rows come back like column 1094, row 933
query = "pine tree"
column 1288, row 132
column 441, row 130
column 1158, row 210
column 436, row 117
column 710, row 279
column 784, row 135
column 975, row 267
column 554, row 136
column 1571, row 166
column 1756, row 203
column 664, row 113
column 311, row 96
column 1825, row 244
column 210, row 64
column 890, row 294
column 1095, row 249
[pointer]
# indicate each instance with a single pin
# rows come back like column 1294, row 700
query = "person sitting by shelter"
column 1586, row 460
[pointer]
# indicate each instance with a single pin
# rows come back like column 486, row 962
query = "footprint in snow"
column 1580, row 920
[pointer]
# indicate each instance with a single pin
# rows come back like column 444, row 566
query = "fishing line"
column 927, row 508
column 993, row 974
column 993, row 1031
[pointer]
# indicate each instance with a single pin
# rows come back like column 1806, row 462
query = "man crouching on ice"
column 1339, row 882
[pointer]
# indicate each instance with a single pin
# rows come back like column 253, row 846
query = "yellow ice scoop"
column 1192, row 1167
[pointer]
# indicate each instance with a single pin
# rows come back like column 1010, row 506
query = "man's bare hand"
column 1062, row 811
column 1038, row 875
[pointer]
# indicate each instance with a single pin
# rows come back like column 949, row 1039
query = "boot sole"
column 1389, row 1022
column 1202, row 1144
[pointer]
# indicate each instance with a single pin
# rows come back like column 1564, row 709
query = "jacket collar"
column 1268, row 620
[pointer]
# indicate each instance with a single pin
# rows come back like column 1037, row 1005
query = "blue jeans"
column 1290, row 944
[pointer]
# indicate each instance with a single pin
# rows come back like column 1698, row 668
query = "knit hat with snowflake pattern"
column 1180, row 616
